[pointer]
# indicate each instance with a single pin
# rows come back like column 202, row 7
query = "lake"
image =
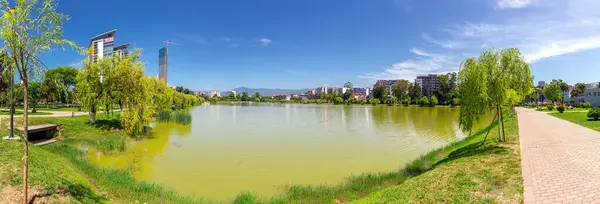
column 261, row 148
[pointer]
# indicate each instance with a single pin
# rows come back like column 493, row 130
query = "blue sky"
column 305, row 44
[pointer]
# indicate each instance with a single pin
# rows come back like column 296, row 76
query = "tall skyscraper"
column 163, row 64
column 103, row 45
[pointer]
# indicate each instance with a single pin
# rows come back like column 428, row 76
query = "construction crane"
column 169, row 42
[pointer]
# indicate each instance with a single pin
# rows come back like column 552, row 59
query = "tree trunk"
column 25, row 140
column 502, row 121
column 499, row 119
column 93, row 115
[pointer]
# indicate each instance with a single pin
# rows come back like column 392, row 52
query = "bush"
column 433, row 101
column 374, row 101
column 550, row 107
column 338, row 100
column 455, row 102
column 424, row 101
column 594, row 113
column 561, row 108
column 587, row 105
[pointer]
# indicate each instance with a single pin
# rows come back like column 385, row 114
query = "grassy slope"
column 579, row 118
column 486, row 174
column 57, row 181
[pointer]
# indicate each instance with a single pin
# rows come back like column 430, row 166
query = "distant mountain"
column 265, row 91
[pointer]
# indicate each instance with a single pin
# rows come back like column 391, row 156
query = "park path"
column 560, row 159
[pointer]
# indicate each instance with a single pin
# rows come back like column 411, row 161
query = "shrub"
column 338, row 100
column 433, row 101
column 424, row 101
column 587, row 105
column 455, row 102
column 550, row 107
column 374, row 101
column 561, row 108
column 594, row 113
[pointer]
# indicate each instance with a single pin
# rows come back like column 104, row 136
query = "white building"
column 592, row 94
column 214, row 93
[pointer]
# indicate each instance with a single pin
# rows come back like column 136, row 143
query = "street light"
column 11, row 135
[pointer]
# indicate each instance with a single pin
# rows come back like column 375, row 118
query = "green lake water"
column 262, row 148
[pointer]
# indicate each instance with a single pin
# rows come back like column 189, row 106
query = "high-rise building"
column 541, row 83
column 121, row 50
column 387, row 83
column 103, row 45
column 321, row 90
column 163, row 67
column 430, row 84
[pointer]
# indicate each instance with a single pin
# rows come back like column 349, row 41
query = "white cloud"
column 549, row 28
column 504, row 4
column 429, row 39
column 425, row 63
column 265, row 41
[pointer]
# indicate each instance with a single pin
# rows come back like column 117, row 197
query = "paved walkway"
column 560, row 159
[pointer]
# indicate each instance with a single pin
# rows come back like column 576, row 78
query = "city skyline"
column 312, row 43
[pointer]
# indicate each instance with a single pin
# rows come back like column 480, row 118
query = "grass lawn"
column 545, row 109
column 7, row 112
column 48, row 108
column 579, row 118
column 50, row 177
column 78, row 126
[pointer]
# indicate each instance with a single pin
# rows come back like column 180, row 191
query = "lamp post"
column 12, row 92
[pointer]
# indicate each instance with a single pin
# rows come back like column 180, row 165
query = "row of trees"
column 120, row 81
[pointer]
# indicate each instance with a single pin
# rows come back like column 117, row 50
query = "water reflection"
column 233, row 148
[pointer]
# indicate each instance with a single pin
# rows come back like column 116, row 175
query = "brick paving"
column 560, row 159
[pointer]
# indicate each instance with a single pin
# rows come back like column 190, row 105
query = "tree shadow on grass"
column 591, row 119
column 77, row 192
column 473, row 150
column 108, row 124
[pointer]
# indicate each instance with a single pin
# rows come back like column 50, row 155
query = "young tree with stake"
column 29, row 28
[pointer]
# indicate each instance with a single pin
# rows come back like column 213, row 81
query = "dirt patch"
column 11, row 194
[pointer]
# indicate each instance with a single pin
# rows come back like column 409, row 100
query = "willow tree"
column 89, row 89
column 495, row 79
column 136, row 94
column 29, row 29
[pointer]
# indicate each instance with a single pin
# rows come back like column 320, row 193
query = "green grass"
column 462, row 172
column 78, row 126
column 579, row 118
column 182, row 117
column 49, row 108
column 7, row 112
column 56, row 181
column 112, row 142
column 545, row 109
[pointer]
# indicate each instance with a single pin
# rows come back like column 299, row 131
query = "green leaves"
column 496, row 78
column 554, row 91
